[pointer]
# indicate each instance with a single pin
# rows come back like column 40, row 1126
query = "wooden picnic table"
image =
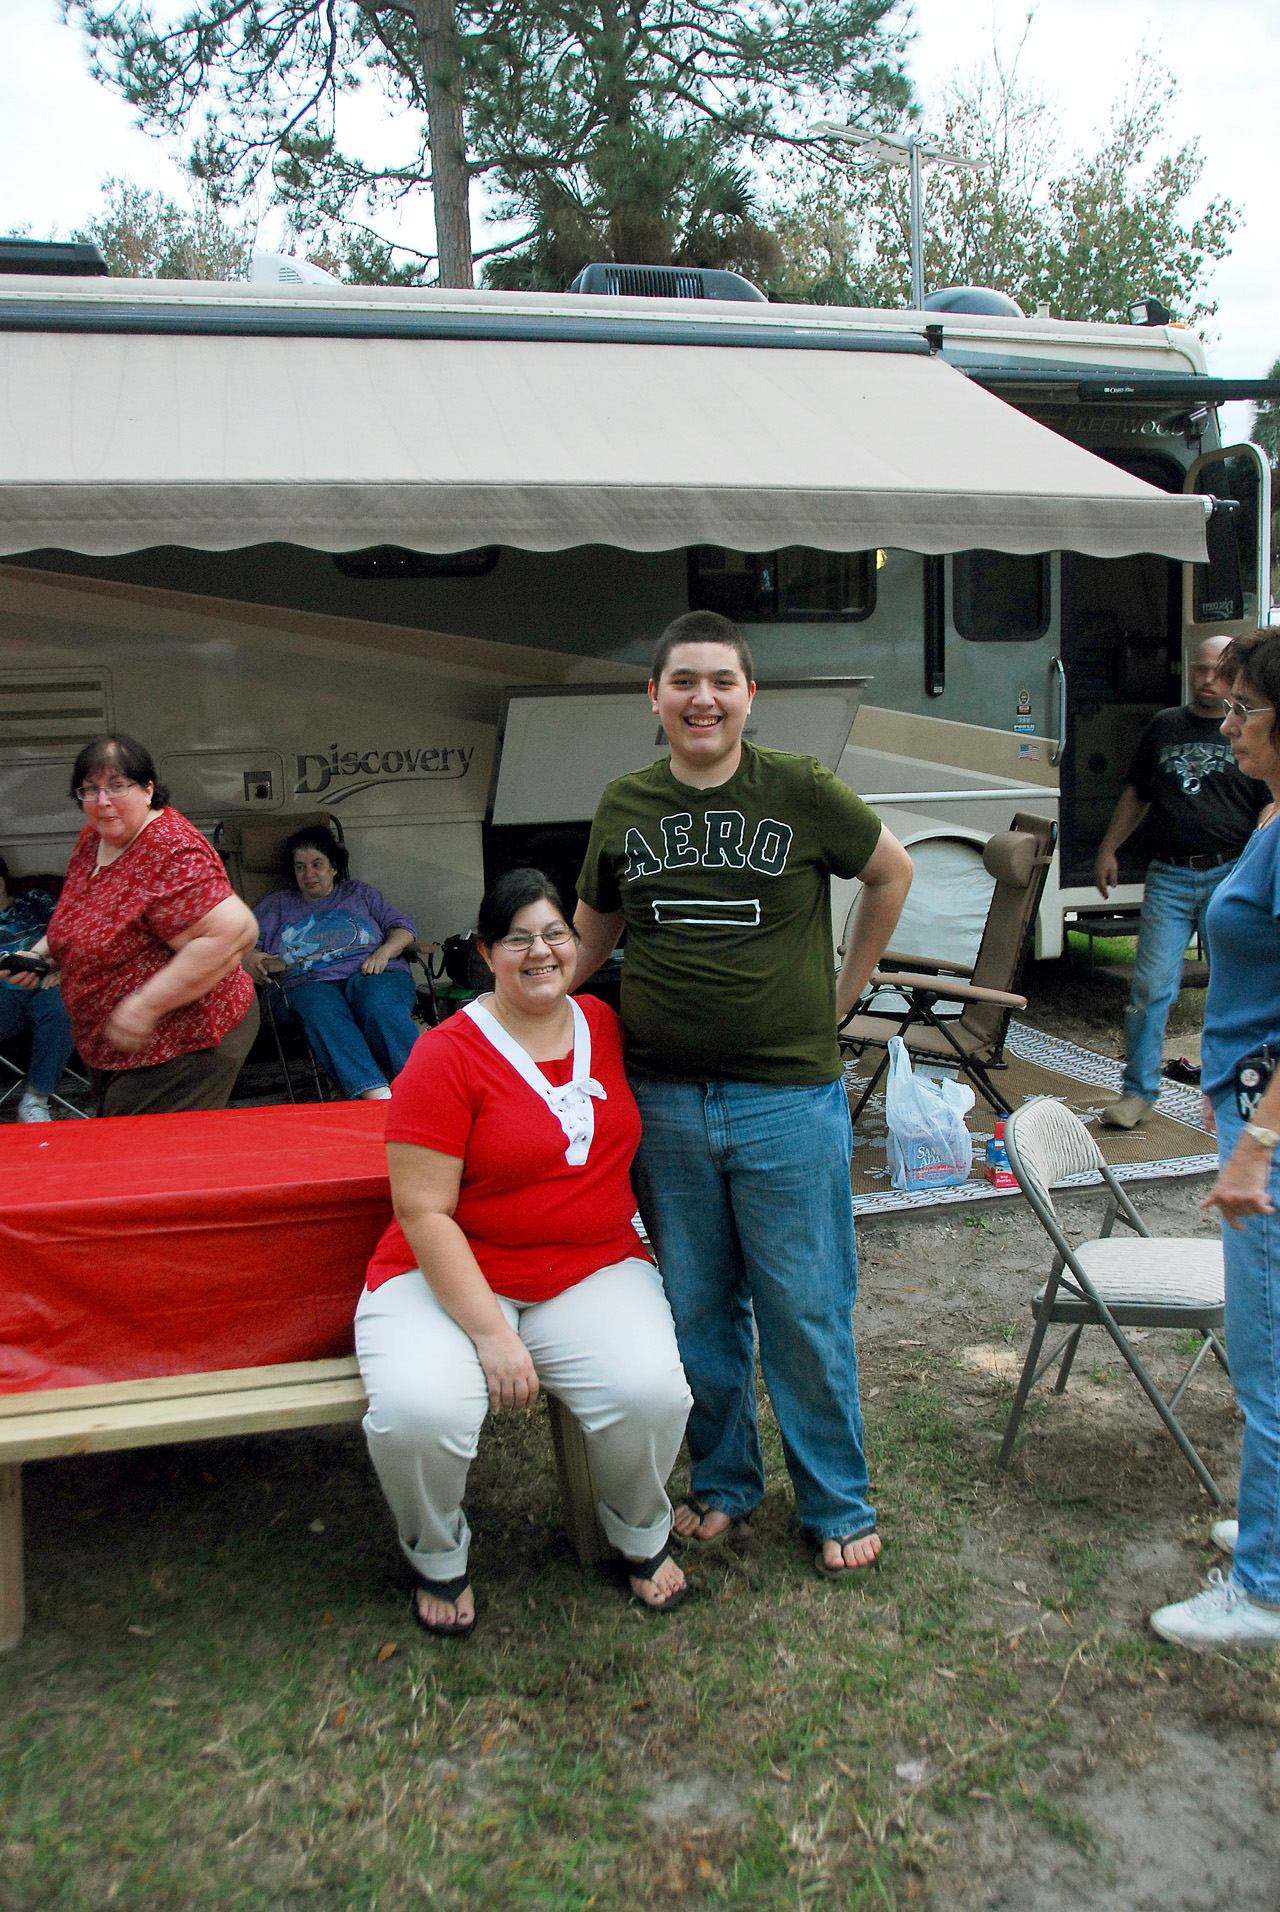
column 177, row 1277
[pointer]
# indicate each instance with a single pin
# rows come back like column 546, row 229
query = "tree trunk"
column 450, row 182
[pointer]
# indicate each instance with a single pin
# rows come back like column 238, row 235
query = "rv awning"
column 113, row 443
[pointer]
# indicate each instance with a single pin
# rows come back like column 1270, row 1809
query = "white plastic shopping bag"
column 929, row 1145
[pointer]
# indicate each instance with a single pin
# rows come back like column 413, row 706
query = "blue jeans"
column 744, row 1190
column 39, row 1013
column 361, row 1027
column 1252, row 1258
column 1173, row 906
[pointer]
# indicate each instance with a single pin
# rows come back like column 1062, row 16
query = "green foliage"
column 600, row 131
column 143, row 234
column 1083, row 239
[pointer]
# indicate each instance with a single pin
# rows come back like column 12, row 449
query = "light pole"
column 878, row 150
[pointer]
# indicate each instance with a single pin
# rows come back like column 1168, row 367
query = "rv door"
column 1231, row 593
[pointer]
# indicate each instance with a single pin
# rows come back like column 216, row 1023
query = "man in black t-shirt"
column 1202, row 812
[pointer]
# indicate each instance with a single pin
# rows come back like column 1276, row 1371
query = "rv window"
column 394, row 561
column 999, row 597
column 792, row 586
column 1223, row 590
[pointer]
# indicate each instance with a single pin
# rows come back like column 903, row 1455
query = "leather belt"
column 1208, row 860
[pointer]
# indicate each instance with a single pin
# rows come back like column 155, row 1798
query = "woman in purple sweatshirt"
column 334, row 946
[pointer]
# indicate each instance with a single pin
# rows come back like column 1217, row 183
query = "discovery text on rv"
column 317, row 769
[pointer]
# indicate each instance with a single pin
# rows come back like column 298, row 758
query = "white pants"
column 605, row 1347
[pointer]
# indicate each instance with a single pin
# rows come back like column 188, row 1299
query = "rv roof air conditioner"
column 63, row 259
column 666, row 282
column 280, row 268
column 983, row 301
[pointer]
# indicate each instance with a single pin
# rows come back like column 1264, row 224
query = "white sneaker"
column 1224, row 1534
column 375, row 1095
column 1222, row 1616
column 34, row 1108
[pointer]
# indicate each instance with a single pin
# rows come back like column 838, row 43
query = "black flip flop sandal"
column 846, row 1573
column 645, row 1570
column 451, row 1590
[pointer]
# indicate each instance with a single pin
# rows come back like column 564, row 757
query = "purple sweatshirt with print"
column 325, row 939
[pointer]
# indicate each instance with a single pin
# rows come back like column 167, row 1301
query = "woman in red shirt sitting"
column 147, row 935
column 512, row 1262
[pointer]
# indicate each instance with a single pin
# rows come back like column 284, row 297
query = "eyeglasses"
column 521, row 940
column 94, row 792
column 1232, row 707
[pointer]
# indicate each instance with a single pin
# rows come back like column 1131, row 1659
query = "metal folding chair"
column 20, row 1076
column 1153, row 1282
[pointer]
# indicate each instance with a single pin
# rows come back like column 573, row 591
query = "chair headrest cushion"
column 1010, row 856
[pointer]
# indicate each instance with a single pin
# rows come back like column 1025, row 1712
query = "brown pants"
column 203, row 1079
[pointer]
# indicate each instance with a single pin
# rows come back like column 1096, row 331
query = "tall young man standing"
column 717, row 861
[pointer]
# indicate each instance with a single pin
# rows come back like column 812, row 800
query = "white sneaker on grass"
column 34, row 1108
column 1222, row 1616
column 1224, row 1534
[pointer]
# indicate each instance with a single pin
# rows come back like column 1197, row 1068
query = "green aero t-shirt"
column 729, row 971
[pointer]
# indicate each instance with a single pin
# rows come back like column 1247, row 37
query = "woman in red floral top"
column 148, row 937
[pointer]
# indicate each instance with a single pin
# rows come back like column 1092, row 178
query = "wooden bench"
column 200, row 1407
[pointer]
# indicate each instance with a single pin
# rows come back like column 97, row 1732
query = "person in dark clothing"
column 1202, row 810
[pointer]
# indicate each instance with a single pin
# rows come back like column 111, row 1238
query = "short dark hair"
column 316, row 837
column 1255, row 656
column 508, row 895
column 116, row 750
column 702, row 627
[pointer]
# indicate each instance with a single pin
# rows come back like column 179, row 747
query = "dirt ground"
column 1174, row 1804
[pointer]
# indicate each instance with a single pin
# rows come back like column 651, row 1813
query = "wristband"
column 1265, row 1138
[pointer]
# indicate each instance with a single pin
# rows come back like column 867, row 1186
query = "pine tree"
column 587, row 124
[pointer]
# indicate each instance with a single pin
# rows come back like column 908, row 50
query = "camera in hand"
column 22, row 962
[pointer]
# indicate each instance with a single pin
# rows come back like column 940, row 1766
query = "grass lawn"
column 221, row 1700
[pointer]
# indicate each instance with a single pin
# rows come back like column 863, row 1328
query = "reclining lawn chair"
column 973, row 1042
column 1154, row 1282
column 252, row 848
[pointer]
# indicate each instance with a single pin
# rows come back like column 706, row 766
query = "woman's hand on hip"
column 375, row 964
column 510, row 1373
column 130, row 1026
column 1242, row 1185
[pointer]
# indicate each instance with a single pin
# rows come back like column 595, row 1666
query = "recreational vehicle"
column 402, row 556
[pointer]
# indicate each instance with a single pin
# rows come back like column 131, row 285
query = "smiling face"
column 703, row 700
column 533, row 981
column 314, row 873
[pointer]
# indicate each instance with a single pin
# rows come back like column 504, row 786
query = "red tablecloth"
column 180, row 1244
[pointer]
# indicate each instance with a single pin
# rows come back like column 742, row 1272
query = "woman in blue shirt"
column 1241, row 1047
column 28, row 1005
column 334, row 945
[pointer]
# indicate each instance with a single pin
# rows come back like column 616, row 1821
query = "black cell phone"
column 1252, row 1077
column 18, row 961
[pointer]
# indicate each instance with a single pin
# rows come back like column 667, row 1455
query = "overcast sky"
column 60, row 133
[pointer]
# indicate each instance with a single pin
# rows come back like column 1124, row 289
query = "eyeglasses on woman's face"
column 94, row 792
column 1232, row 707
column 520, row 940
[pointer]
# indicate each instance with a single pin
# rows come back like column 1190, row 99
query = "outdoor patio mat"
column 1170, row 1143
